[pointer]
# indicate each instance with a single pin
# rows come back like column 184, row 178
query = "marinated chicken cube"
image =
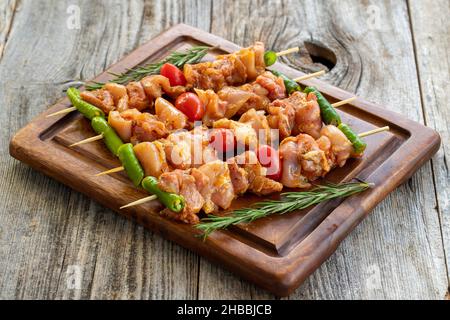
column 173, row 118
column 156, row 85
column 239, row 177
column 258, row 183
column 259, row 123
column 282, row 118
column 244, row 133
column 119, row 94
column 273, row 84
column 214, row 184
column 291, row 172
column 137, row 97
column 152, row 157
column 101, row 98
column 147, row 127
column 340, row 147
column 180, row 182
column 186, row 150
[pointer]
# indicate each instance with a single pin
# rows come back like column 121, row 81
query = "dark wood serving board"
column 277, row 252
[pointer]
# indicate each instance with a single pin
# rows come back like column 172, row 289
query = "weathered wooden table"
column 56, row 243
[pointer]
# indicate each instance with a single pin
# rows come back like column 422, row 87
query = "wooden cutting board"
column 277, row 252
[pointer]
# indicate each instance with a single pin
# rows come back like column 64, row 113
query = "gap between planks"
column 425, row 120
column 11, row 7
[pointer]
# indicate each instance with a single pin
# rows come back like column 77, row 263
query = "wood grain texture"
column 46, row 227
column 377, row 260
column 432, row 41
column 7, row 11
column 277, row 253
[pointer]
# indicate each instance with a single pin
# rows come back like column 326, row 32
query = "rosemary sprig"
column 179, row 59
column 290, row 201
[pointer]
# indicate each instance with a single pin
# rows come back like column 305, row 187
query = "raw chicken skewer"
column 211, row 173
column 176, row 114
column 212, row 184
column 213, row 107
column 226, row 64
column 304, row 160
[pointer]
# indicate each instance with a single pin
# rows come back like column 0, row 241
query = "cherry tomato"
column 191, row 106
column 269, row 158
column 223, row 140
column 175, row 75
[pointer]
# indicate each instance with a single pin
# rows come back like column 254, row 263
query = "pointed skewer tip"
column 88, row 140
column 60, row 112
column 309, row 76
column 287, row 51
column 140, row 201
column 343, row 102
column 114, row 170
column 374, row 131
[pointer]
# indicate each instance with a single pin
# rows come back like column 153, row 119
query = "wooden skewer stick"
column 378, row 130
column 118, row 169
column 309, row 76
column 287, row 51
column 140, row 201
column 88, row 140
column 341, row 103
column 63, row 111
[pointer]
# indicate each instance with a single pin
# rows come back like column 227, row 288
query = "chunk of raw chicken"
column 119, row 94
column 273, row 84
column 137, row 97
column 341, row 147
column 122, row 124
column 258, row 100
column 239, row 177
column 189, row 149
column 214, row 184
column 258, row 183
column 291, row 173
column 244, row 133
column 223, row 104
column 101, row 98
column 234, row 98
column 281, row 117
column 307, row 116
column 156, row 85
column 313, row 159
column 259, row 123
column 152, row 157
column 296, row 114
column 173, row 118
column 180, row 182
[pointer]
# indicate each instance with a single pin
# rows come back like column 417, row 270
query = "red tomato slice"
column 270, row 158
column 191, row 106
column 175, row 75
column 223, row 140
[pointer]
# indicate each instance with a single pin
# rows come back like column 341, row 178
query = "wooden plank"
column 275, row 264
column 7, row 10
column 49, row 232
column 330, row 281
column 432, row 40
column 401, row 239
